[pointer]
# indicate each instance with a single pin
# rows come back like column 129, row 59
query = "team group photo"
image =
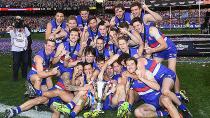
column 104, row 58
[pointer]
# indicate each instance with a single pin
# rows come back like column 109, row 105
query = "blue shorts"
column 170, row 52
column 64, row 69
column 107, row 104
column 166, row 54
column 153, row 99
column 168, row 74
column 32, row 72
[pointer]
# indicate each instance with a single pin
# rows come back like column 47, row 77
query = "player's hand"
column 100, row 76
column 55, row 70
column 123, row 30
column 83, row 44
column 67, row 55
column 139, row 73
column 58, row 28
column 52, row 37
column 63, row 52
column 149, row 50
column 85, row 29
column 113, row 35
column 76, row 72
column 145, row 7
column 88, row 87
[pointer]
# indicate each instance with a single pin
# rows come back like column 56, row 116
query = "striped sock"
column 39, row 92
column 182, row 107
column 71, row 105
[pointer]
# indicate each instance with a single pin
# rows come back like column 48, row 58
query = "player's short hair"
column 100, row 58
column 49, row 40
column 83, row 8
column 91, row 18
column 100, row 38
column 101, row 23
column 74, row 29
column 137, row 19
column 119, row 6
column 86, row 63
column 135, row 4
column 130, row 59
column 123, row 57
column 114, row 29
column 116, row 61
column 123, row 25
column 71, row 17
column 124, row 37
column 90, row 50
column 80, row 64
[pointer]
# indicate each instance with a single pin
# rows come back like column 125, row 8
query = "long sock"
column 178, row 95
column 73, row 114
column 16, row 110
column 39, row 92
column 71, row 105
column 182, row 107
column 162, row 113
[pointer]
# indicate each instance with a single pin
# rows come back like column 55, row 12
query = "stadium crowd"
column 61, row 4
column 104, row 65
column 179, row 19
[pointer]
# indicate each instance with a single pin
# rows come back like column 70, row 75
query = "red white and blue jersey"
column 132, row 51
column 46, row 64
column 73, row 50
column 106, row 53
column 126, row 18
column 46, row 59
column 159, row 71
column 146, row 93
column 112, row 48
column 81, row 22
column 92, row 35
column 54, row 27
column 105, row 38
column 152, row 42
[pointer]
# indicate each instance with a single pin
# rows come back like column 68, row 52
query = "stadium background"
column 185, row 21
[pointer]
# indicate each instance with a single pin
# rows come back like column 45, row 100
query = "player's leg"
column 25, row 106
column 172, row 66
column 64, row 95
column 145, row 111
column 167, row 103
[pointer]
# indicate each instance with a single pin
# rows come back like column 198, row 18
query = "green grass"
column 194, row 79
column 181, row 31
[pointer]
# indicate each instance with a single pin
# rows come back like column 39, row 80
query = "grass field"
column 194, row 78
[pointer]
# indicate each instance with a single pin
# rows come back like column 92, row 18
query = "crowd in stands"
column 182, row 18
column 36, row 23
column 62, row 4
column 179, row 19
column 110, row 4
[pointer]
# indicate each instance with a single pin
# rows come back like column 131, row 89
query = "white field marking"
column 29, row 113
column 204, row 115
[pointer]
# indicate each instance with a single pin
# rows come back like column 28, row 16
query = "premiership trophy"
column 100, row 86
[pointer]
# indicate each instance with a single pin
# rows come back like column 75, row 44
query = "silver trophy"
column 100, row 87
